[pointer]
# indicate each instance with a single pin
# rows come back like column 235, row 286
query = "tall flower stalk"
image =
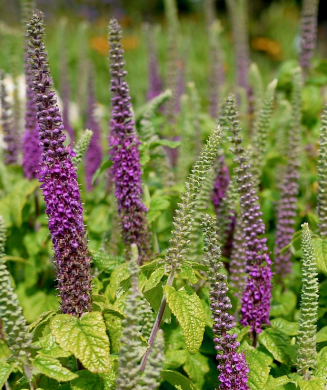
column 94, row 153
column 322, row 176
column 309, row 24
column 123, row 144
column 179, row 243
column 10, row 135
column 30, row 146
column 232, row 365
column 154, row 80
column 59, row 183
column 257, row 293
column 287, row 205
column 306, row 340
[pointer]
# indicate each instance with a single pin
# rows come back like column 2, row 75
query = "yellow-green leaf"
column 84, row 337
column 287, row 327
column 277, row 344
column 320, row 248
column 177, row 379
column 312, row 384
column 154, row 279
column 322, row 335
column 5, row 371
column 259, row 369
column 187, row 308
column 50, row 348
column 275, row 382
column 53, row 369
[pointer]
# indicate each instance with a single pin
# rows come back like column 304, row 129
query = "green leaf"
column 87, row 381
column 159, row 203
column 175, row 358
column 321, row 369
column 4, row 350
column 312, row 384
column 113, row 311
column 165, row 142
column 154, row 279
column 53, row 369
column 119, row 274
column 110, row 378
column 277, row 343
column 177, row 379
column 242, row 333
column 322, row 335
column 85, row 337
column 320, row 248
column 154, row 297
column 275, row 382
column 5, row 371
column 187, row 308
column 287, row 327
column 104, row 166
column 104, row 261
column 49, row 347
column 38, row 326
column 259, row 369
column 197, row 368
column 190, row 274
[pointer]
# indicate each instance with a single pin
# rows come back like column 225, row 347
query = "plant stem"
column 156, row 325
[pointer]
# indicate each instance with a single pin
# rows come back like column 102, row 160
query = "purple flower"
column 154, row 80
column 221, row 185
column 31, row 148
column 94, row 152
column 309, row 22
column 123, row 144
column 10, row 135
column 257, row 293
column 59, row 183
column 231, row 364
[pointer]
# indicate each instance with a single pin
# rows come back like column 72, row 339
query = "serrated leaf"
column 114, row 328
column 320, row 248
column 277, row 343
column 177, row 379
column 275, row 382
column 187, row 308
column 154, row 279
column 49, row 347
column 87, row 381
column 312, row 384
column 287, row 327
column 259, row 369
column 322, row 335
column 4, row 350
column 189, row 272
column 85, row 338
column 241, row 333
column 53, row 369
column 5, row 371
column 110, row 378
column 321, row 369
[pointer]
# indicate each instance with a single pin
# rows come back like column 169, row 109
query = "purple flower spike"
column 94, row 152
column 154, row 81
column 257, row 293
column 31, row 148
column 221, row 185
column 231, row 364
column 59, row 183
column 123, row 144
column 10, row 135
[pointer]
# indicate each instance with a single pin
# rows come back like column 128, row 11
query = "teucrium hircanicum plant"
column 14, row 323
column 82, row 146
column 322, row 176
column 176, row 254
column 306, row 340
column 257, row 292
column 261, row 128
column 231, row 364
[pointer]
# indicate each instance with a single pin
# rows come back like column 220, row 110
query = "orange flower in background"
column 272, row 47
column 101, row 45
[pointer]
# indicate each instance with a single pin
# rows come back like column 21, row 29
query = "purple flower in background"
column 221, row 184
column 180, row 83
column 123, row 144
column 31, row 148
column 309, row 24
column 59, row 183
column 232, row 365
column 10, row 135
column 257, row 293
column 154, row 80
column 94, row 152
